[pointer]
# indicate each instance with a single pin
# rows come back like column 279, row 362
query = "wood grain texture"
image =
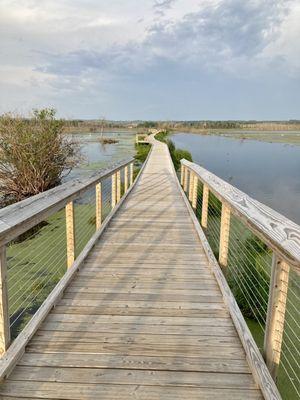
column 70, row 233
column 276, row 314
column 280, row 233
column 98, row 189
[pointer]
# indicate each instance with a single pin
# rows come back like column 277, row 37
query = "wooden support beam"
column 131, row 174
column 4, row 314
column 113, row 190
column 181, row 174
column 118, row 186
column 195, row 192
column 70, row 231
column 191, row 183
column 276, row 314
column 126, row 178
column 224, row 235
column 204, row 215
column 98, row 205
column 185, row 181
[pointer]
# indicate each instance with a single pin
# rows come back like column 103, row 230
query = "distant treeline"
column 96, row 125
column 206, row 125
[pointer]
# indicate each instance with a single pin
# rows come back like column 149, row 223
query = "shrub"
column 34, row 154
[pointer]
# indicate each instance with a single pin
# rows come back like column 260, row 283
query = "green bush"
column 34, row 154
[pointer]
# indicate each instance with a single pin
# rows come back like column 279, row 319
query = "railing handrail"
column 277, row 231
column 23, row 215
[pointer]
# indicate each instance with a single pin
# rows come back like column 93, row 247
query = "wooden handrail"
column 278, row 232
column 19, row 217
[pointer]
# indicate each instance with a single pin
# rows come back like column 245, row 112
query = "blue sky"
column 151, row 59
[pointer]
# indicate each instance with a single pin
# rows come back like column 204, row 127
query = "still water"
column 96, row 155
column 269, row 172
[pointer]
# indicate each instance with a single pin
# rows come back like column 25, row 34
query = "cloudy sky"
column 151, row 59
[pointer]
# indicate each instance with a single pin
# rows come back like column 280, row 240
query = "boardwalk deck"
column 144, row 318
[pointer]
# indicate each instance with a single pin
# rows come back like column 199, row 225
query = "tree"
column 34, row 154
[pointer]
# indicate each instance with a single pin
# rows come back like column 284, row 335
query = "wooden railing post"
column 195, row 192
column 204, row 214
column 185, row 180
column 70, row 230
column 98, row 205
column 181, row 174
column 113, row 190
column 4, row 314
column 131, row 174
column 224, row 235
column 118, row 186
column 191, row 183
column 276, row 314
column 126, row 178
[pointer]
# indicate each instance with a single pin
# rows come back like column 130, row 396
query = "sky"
column 151, row 59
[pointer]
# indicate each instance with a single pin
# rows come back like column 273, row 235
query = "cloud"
column 113, row 49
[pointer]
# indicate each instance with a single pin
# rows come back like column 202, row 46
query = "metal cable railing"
column 264, row 282
column 60, row 224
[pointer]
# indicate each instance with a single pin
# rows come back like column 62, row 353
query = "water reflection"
column 269, row 172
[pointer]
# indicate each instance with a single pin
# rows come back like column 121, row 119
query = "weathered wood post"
column 131, row 173
column 126, row 178
column 195, row 192
column 70, row 230
column 4, row 314
column 191, row 183
column 181, row 174
column 98, row 205
column 276, row 314
column 185, row 181
column 224, row 235
column 113, row 190
column 204, row 214
column 118, row 186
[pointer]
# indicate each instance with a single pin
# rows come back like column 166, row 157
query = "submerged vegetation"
column 34, row 154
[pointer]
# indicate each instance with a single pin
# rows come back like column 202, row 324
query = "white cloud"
column 84, row 47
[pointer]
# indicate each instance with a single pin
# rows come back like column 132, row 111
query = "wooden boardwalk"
column 144, row 317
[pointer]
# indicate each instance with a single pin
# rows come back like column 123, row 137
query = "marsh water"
column 269, row 172
column 96, row 155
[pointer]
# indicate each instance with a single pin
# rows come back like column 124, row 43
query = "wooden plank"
column 4, row 314
column 276, row 314
column 78, row 327
column 143, row 320
column 70, row 232
column 142, row 362
column 280, row 233
column 138, row 349
column 77, row 391
column 135, row 377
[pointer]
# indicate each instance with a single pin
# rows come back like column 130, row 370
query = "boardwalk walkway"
column 144, row 318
